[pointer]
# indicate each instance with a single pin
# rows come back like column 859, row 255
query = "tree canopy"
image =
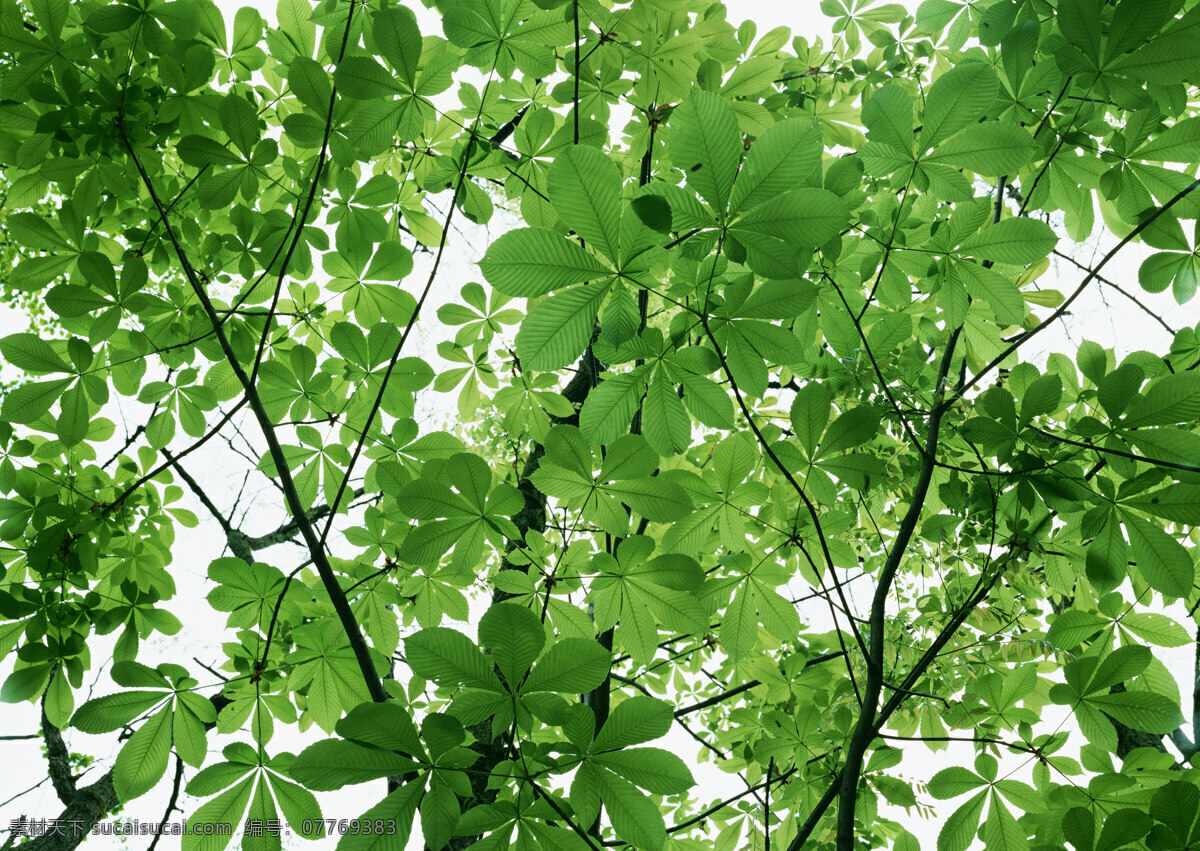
column 754, row 449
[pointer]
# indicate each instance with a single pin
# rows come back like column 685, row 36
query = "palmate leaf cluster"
column 753, row 447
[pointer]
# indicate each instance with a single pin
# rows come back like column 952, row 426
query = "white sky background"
column 1100, row 315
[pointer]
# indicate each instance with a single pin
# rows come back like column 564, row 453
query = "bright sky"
column 1101, row 315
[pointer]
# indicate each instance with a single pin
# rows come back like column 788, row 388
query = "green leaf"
column 1107, row 557
column 33, row 231
column 60, row 700
column 933, row 15
column 399, row 41
column 299, row 806
column 70, row 301
column 781, row 159
column 1079, row 828
column 75, row 418
column 447, row 656
column 707, row 401
column 32, row 354
column 310, row 84
column 25, row 684
column 665, row 421
column 655, row 770
column 1162, row 560
column 895, row 790
column 1169, row 269
column 1158, row 629
column 1141, row 710
column 610, row 407
column 888, row 116
column 809, row 217
column 362, row 78
column 34, row 273
column 1179, row 143
column 585, row 188
column 571, row 665
column 1123, row 827
column 143, row 759
column 585, row 787
column 1042, row 396
column 239, row 120
column 853, row 428
column 655, row 499
column 1018, row 241
column 557, row 330
column 332, row 763
column 191, row 743
column 653, row 211
column 990, row 149
column 514, row 635
column 958, row 831
column 1000, row 829
column 398, row 809
column 384, row 725
column 810, row 412
column 634, row 720
column 1179, row 503
column 201, row 151
column 1174, row 398
column 225, row 809
column 706, row 146
column 739, row 629
column 1079, row 21
column 778, row 300
column 957, row 99
column 1176, row 806
column 635, row 818
column 954, row 781
column 1072, row 627
column 113, row 711
column 439, row 815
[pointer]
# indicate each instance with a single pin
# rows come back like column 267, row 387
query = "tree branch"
column 1062, row 308
column 250, row 394
column 171, row 804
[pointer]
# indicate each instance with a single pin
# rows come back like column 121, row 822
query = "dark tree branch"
column 58, row 757
column 779, row 465
column 302, row 217
column 212, row 432
column 746, row 686
column 864, row 731
column 412, row 321
column 250, row 394
column 1065, row 306
column 1104, row 450
column 88, row 805
column 171, row 804
column 1118, row 288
